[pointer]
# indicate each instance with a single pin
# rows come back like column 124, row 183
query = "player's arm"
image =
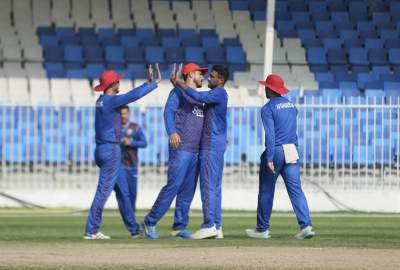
column 208, row 97
column 269, row 128
column 169, row 118
column 139, row 141
column 138, row 92
column 169, row 112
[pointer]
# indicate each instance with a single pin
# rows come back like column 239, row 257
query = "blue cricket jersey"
column 279, row 117
column 108, row 119
column 184, row 115
column 138, row 140
column 215, row 110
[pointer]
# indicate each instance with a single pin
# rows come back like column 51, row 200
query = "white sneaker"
column 305, row 233
column 253, row 233
column 97, row 236
column 220, row 234
column 205, row 233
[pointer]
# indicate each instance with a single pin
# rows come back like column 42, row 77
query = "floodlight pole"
column 269, row 37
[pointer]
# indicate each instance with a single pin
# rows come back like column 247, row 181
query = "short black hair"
column 125, row 107
column 222, row 71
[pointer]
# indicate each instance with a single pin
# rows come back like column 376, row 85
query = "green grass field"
column 349, row 230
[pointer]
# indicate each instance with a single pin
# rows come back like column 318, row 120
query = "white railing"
column 342, row 145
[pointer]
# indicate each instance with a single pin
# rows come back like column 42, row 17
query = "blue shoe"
column 180, row 234
column 150, row 231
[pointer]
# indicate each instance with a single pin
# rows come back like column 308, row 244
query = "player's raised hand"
column 149, row 74
column 172, row 76
column 159, row 78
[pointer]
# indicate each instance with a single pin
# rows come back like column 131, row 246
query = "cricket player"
column 125, row 188
column 108, row 138
column 183, row 118
column 213, row 144
column 279, row 117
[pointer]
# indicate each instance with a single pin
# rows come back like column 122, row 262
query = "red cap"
column 107, row 78
column 275, row 83
column 193, row 67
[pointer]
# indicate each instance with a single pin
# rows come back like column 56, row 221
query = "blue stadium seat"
column 106, row 33
column 215, row 56
column 208, row 33
column 48, row 40
column 151, row 41
column 73, row 53
column 45, row 30
column 352, row 43
column 364, row 77
column 134, row 55
column 70, row 40
column 129, row 41
column 129, row 32
column 336, row 57
column 394, row 56
column 144, row 32
column 358, row 56
column 174, row 55
column 392, row 43
column 195, row 55
column 54, row 53
column 191, row 41
column 114, row 54
column 231, row 42
column 332, row 43
column 365, row 26
column 87, row 31
column 238, row 5
column 392, row 86
column 324, row 77
column 154, row 54
column 377, row 57
column 304, row 34
column 187, row 33
column 110, row 41
column 93, row 54
column 166, row 33
column 89, row 40
column 348, row 34
column 55, row 70
column 77, row 73
column 312, row 43
column 316, row 56
column 171, row 42
column 373, row 43
column 94, row 70
column 328, row 34
column 210, row 42
column 137, row 71
column 235, row 55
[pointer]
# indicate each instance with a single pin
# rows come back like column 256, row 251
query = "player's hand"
column 159, row 78
column 149, row 73
column 175, row 140
column 271, row 167
column 172, row 76
column 126, row 141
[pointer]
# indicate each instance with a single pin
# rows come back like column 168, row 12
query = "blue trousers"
column 211, row 168
column 108, row 158
column 267, row 180
column 183, row 171
column 125, row 191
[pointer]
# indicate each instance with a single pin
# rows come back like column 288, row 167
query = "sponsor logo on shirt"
column 282, row 106
column 99, row 103
column 198, row 111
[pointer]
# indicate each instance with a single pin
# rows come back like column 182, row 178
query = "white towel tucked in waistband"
column 290, row 152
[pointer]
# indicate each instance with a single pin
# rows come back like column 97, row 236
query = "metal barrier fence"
column 351, row 144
